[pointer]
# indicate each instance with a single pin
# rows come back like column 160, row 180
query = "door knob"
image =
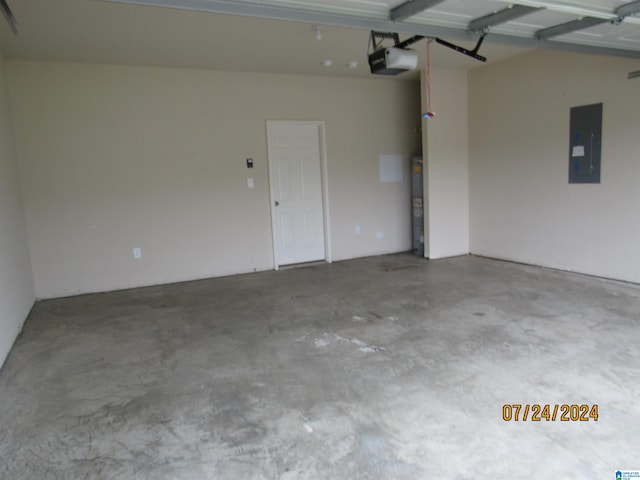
column 277, row 203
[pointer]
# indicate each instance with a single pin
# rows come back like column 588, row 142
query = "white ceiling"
column 100, row 32
column 96, row 31
column 452, row 16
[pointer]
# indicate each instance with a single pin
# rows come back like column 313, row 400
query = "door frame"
column 319, row 124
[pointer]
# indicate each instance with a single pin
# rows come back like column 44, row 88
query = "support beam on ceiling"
column 572, row 26
column 501, row 16
column 314, row 17
column 411, row 8
column 628, row 9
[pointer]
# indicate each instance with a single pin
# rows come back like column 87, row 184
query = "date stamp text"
column 517, row 412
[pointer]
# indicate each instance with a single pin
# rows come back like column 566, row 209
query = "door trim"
column 323, row 180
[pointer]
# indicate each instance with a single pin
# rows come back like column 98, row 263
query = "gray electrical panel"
column 585, row 144
column 417, row 198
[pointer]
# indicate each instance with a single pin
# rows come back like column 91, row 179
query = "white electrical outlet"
column 250, row 182
column 357, row 229
column 137, row 253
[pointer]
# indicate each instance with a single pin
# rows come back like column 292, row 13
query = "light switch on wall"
column 250, row 182
column 137, row 253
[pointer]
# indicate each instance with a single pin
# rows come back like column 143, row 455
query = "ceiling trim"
column 8, row 14
column 566, row 6
column 262, row 10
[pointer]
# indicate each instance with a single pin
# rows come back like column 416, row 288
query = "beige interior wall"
column 16, row 283
column 446, row 154
column 522, row 206
column 116, row 157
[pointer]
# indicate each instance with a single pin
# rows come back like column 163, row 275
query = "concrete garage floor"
column 382, row 368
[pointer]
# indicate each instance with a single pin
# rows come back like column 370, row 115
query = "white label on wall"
column 578, row 151
column 391, row 168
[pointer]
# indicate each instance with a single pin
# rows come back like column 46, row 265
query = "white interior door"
column 295, row 174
